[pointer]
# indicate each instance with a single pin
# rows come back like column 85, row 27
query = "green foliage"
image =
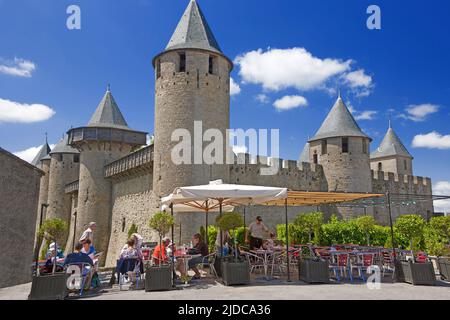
column 161, row 223
column 366, row 224
column 230, row 221
column 441, row 226
column 437, row 236
column 54, row 230
column 310, row 223
column 410, row 227
column 133, row 229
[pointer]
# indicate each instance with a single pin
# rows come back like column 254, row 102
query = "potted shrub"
column 311, row 224
column 367, row 225
column 312, row 269
column 52, row 286
column 411, row 227
column 234, row 270
column 159, row 277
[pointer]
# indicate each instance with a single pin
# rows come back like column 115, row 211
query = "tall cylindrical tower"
column 342, row 149
column 192, row 84
column 64, row 169
column 105, row 139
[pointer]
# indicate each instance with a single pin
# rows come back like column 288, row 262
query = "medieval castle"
column 105, row 172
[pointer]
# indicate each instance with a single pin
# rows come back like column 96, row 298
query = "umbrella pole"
column 221, row 235
column 287, row 240
column 173, row 249
column 206, row 229
column 244, row 217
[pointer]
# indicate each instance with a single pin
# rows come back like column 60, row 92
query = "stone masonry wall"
column 19, row 195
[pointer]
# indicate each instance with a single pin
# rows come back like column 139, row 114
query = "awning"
column 312, row 198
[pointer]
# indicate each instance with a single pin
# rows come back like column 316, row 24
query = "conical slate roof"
column 304, row 156
column 43, row 152
column 63, row 147
column 108, row 114
column 390, row 146
column 339, row 123
column 193, row 32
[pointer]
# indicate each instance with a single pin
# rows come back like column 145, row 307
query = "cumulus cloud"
column 234, row 87
column 361, row 115
column 17, row 67
column 290, row 102
column 277, row 69
column 419, row 112
column 16, row 112
column 29, row 154
column 359, row 82
column 432, row 140
column 263, row 98
column 442, row 188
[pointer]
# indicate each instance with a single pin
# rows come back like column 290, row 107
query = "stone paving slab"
column 266, row 291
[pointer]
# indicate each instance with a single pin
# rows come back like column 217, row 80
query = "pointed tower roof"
column 390, row 146
column 43, row 152
column 193, row 31
column 108, row 114
column 339, row 123
column 304, row 156
column 64, row 147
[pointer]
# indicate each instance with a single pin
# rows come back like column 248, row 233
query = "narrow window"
column 380, row 166
column 158, row 69
column 324, row 147
column 364, row 146
column 76, row 158
column 344, row 145
column 405, row 164
column 211, row 65
column 123, row 224
column 182, row 62
column 60, row 157
column 315, row 158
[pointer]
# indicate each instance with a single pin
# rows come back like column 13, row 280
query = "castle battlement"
column 400, row 178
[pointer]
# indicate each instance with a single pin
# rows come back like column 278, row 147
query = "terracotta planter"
column 158, row 278
column 313, row 271
column 49, row 287
column 235, row 273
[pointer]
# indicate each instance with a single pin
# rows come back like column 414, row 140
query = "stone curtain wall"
column 402, row 184
column 19, row 195
column 133, row 201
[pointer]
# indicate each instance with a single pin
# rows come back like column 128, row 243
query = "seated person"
column 269, row 244
column 160, row 252
column 129, row 251
column 201, row 248
column 78, row 257
column 88, row 248
column 50, row 259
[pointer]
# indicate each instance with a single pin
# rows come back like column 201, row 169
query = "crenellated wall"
column 399, row 184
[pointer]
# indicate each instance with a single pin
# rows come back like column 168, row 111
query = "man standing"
column 89, row 233
column 256, row 231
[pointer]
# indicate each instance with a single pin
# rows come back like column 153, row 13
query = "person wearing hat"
column 89, row 233
column 160, row 252
column 255, row 233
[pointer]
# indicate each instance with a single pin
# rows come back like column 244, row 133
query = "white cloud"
column 234, row 87
column 359, row 81
column 239, row 149
column 442, row 188
column 290, row 102
column 16, row 112
column 419, row 112
column 366, row 115
column 18, row 67
column 263, row 98
column 277, row 69
column 29, row 154
column 432, row 140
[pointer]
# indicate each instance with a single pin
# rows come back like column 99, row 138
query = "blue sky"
column 401, row 69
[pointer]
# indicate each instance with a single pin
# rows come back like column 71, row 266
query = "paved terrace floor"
column 209, row 289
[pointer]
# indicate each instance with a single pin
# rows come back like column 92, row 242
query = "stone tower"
column 192, row 83
column 64, row 169
column 42, row 161
column 105, row 139
column 342, row 149
column 392, row 155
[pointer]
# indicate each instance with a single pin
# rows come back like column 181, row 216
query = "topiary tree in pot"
column 159, row 277
column 54, row 230
column 310, row 223
column 367, row 225
column 235, row 271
